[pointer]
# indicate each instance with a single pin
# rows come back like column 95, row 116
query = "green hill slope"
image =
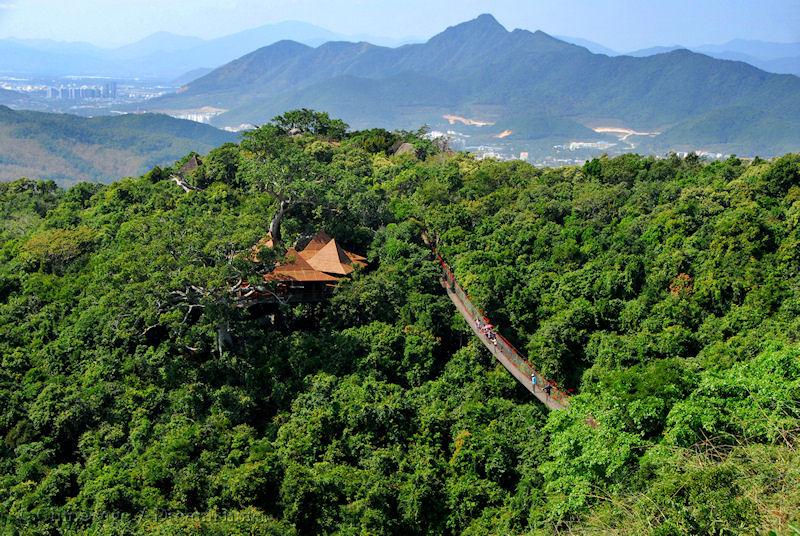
column 139, row 396
column 68, row 148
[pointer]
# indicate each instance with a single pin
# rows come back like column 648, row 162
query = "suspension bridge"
column 546, row 391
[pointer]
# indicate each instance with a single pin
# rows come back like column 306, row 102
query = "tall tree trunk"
column 223, row 336
column 277, row 219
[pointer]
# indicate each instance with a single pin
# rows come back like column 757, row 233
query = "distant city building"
column 107, row 91
column 200, row 115
column 110, row 90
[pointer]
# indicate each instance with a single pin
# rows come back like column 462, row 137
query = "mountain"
column 219, row 51
column 68, row 148
column 652, row 51
column 162, row 55
column 779, row 58
column 23, row 58
column 591, row 46
column 789, row 65
column 191, row 76
column 780, row 65
column 158, row 42
column 732, row 129
column 762, row 50
column 480, row 70
column 59, row 47
column 246, row 41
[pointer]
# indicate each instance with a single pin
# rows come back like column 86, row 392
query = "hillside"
column 12, row 98
column 140, row 395
column 479, row 69
column 69, row 148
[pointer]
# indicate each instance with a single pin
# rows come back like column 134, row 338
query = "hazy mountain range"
column 68, row 148
column 162, row 55
column 780, row 58
column 529, row 83
column 168, row 56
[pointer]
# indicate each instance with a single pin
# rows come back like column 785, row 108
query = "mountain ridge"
column 159, row 55
column 486, row 67
column 772, row 62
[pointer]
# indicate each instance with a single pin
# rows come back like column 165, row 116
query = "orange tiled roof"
column 317, row 243
column 322, row 260
column 357, row 259
column 297, row 269
column 332, row 259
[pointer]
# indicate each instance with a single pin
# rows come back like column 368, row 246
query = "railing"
column 501, row 344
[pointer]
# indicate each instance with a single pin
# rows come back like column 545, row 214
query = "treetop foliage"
column 140, row 397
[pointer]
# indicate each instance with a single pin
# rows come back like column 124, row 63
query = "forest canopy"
column 138, row 395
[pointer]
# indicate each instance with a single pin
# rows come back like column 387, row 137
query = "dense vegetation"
column 68, row 149
column 139, row 398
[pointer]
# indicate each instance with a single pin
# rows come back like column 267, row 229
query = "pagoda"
column 304, row 276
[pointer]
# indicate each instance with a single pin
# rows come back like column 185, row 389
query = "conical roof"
column 357, row 259
column 332, row 259
column 297, row 269
column 190, row 165
column 319, row 241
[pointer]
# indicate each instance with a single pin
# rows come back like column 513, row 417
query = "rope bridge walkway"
column 545, row 390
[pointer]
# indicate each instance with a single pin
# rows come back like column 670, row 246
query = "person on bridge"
column 547, row 389
column 533, row 382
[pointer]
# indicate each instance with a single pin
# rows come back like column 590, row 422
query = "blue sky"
column 620, row 24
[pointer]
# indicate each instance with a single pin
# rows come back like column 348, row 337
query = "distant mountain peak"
column 483, row 24
column 544, row 36
column 478, row 30
column 544, row 41
column 487, row 19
